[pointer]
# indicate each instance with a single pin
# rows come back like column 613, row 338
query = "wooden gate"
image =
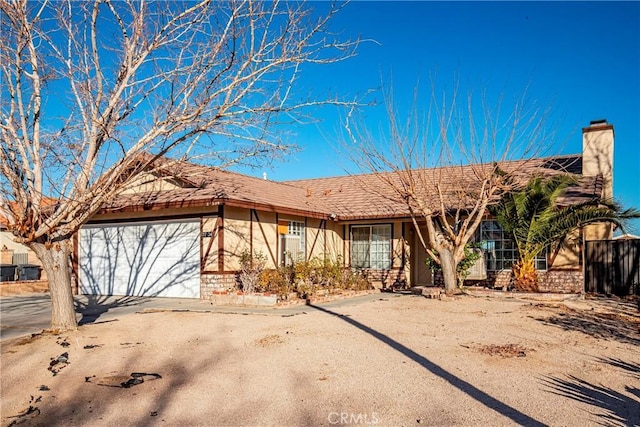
column 612, row 267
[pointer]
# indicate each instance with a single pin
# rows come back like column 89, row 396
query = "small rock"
column 90, row 346
column 63, row 343
column 58, row 363
column 126, row 381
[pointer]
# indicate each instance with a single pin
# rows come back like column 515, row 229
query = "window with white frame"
column 371, row 246
column 500, row 250
column 293, row 243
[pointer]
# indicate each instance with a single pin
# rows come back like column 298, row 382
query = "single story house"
column 179, row 231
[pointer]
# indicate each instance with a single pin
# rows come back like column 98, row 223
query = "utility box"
column 28, row 272
column 478, row 270
column 8, row 272
column 20, row 258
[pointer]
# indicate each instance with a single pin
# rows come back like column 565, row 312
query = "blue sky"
column 582, row 58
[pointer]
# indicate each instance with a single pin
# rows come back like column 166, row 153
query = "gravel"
column 397, row 360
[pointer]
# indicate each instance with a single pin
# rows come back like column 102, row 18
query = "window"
column 501, row 252
column 371, row 246
column 292, row 243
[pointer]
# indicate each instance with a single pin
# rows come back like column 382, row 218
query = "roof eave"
column 194, row 203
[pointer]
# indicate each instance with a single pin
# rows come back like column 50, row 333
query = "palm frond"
column 533, row 219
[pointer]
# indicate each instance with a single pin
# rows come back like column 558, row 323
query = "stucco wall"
column 567, row 255
column 148, row 182
column 334, row 243
column 209, row 242
column 397, row 246
column 315, row 238
column 599, row 231
column 597, row 159
column 236, row 236
column 420, row 274
column 7, row 240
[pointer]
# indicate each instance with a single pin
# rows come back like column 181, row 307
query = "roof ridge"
column 561, row 156
column 177, row 163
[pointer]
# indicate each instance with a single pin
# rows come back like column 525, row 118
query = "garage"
column 140, row 259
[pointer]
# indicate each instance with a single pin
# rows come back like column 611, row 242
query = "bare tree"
column 444, row 165
column 87, row 87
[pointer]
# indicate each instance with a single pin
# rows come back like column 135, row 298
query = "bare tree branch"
column 473, row 159
column 89, row 87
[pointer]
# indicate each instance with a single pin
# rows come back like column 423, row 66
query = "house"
column 179, row 230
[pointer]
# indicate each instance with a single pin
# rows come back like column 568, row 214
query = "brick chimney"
column 597, row 153
column 597, row 159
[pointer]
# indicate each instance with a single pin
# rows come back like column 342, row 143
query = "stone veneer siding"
column 561, row 281
column 558, row 281
column 386, row 278
column 210, row 283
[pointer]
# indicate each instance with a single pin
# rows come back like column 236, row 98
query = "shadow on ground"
column 110, row 396
column 615, row 324
column 97, row 305
column 469, row 389
column 633, row 368
column 619, row 408
column 24, row 304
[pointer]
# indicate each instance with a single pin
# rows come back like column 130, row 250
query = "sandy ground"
column 396, row 360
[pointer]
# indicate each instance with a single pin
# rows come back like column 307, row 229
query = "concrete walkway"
column 28, row 314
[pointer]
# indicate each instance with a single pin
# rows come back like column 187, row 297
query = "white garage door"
column 148, row 259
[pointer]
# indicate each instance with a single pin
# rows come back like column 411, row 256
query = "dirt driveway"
column 394, row 360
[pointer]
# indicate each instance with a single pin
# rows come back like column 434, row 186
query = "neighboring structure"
column 17, row 255
column 180, row 229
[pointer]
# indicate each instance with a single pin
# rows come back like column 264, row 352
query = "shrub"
column 251, row 267
column 305, row 278
column 278, row 281
column 355, row 280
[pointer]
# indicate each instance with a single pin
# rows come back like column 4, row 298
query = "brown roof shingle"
column 212, row 186
column 366, row 196
column 349, row 197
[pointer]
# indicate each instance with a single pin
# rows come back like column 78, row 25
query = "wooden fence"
column 612, row 267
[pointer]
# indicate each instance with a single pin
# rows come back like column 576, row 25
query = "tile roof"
column 366, row 196
column 207, row 186
column 349, row 197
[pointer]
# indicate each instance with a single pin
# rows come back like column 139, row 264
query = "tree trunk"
column 449, row 273
column 56, row 262
column 526, row 276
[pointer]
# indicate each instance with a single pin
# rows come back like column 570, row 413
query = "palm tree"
column 533, row 219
